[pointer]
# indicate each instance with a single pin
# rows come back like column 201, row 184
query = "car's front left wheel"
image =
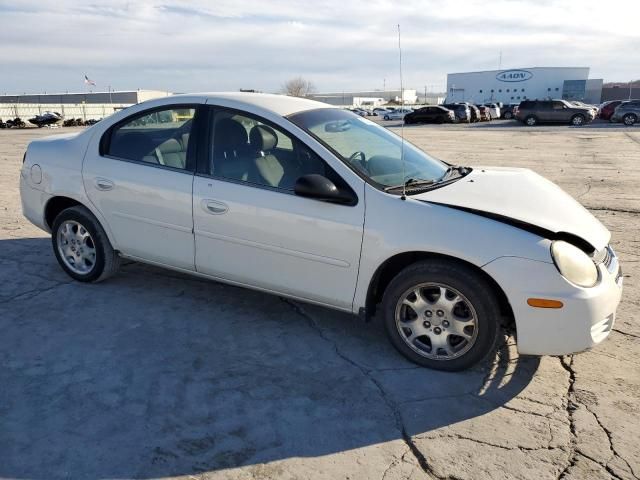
column 442, row 315
column 82, row 247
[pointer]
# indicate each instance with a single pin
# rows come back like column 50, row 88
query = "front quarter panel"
column 394, row 226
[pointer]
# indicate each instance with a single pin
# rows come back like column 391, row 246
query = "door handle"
column 214, row 207
column 104, row 184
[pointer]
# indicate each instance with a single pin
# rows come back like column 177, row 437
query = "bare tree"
column 298, row 87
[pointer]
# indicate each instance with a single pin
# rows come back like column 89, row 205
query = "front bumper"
column 587, row 315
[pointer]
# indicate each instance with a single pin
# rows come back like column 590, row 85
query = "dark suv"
column 430, row 114
column 532, row 112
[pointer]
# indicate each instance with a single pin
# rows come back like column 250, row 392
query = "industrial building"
column 370, row 98
column 515, row 85
column 86, row 105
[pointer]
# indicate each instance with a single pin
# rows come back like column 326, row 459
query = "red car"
column 606, row 111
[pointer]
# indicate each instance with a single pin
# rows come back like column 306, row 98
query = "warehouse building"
column 515, row 85
column 87, row 105
column 369, row 98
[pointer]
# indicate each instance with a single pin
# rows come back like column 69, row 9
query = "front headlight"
column 574, row 265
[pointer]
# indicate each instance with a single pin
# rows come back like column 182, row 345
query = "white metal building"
column 84, row 105
column 515, row 85
column 370, row 98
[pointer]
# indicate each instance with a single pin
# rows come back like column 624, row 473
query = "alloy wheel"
column 436, row 321
column 76, row 247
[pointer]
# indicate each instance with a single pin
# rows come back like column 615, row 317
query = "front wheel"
column 441, row 315
column 82, row 247
column 577, row 120
column 531, row 121
column 629, row 119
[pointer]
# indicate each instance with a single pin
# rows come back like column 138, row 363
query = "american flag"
column 87, row 81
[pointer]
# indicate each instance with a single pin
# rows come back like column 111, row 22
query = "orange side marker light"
column 544, row 303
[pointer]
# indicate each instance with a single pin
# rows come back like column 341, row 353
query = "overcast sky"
column 339, row 45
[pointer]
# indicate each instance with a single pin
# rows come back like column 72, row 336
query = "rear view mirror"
column 320, row 187
column 337, row 126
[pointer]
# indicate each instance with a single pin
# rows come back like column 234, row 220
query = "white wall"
column 501, row 85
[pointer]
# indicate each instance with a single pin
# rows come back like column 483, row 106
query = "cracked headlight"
column 573, row 264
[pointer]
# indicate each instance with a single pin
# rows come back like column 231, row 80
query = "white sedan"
column 315, row 203
column 397, row 114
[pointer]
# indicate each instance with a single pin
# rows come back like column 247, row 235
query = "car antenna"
column 404, row 183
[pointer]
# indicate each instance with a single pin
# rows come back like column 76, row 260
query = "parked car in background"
column 585, row 105
column 311, row 195
column 533, row 112
column 508, row 111
column 381, row 112
column 430, row 114
column 627, row 112
column 397, row 114
column 461, row 111
column 494, row 108
column 359, row 111
column 605, row 112
column 485, row 113
column 475, row 113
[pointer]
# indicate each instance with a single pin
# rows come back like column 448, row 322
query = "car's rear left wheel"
column 82, row 247
column 441, row 315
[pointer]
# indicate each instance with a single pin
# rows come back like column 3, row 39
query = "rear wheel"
column 577, row 120
column 531, row 121
column 508, row 115
column 441, row 315
column 82, row 247
column 629, row 119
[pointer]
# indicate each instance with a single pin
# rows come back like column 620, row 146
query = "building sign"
column 514, row 75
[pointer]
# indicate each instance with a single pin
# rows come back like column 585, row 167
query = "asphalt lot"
column 158, row 375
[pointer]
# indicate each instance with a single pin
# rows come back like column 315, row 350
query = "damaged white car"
column 306, row 201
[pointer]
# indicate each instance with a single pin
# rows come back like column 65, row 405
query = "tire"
column 386, row 117
column 578, row 120
column 476, row 298
column 67, row 235
column 629, row 119
column 531, row 121
column 508, row 116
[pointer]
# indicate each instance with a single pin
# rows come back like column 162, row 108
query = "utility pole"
column 630, row 86
column 500, row 61
column 425, row 94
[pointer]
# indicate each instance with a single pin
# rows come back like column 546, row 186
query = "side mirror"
column 321, row 188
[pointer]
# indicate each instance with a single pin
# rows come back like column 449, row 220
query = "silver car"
column 627, row 112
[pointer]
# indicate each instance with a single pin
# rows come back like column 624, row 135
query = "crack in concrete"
column 29, row 294
column 391, row 405
column 627, row 334
column 570, row 407
column 609, row 209
column 497, row 445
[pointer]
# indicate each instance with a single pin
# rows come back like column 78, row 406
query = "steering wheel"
column 360, row 163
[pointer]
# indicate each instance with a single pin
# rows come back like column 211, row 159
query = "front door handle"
column 214, row 207
column 104, row 184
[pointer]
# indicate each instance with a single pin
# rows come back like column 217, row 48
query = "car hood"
column 523, row 198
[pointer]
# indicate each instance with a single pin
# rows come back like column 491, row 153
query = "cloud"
column 348, row 44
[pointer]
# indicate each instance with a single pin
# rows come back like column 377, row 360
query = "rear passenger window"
column 160, row 137
column 250, row 150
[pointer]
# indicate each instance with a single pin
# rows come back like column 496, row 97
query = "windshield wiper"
column 462, row 171
column 411, row 183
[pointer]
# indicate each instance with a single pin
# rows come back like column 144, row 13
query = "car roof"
column 280, row 104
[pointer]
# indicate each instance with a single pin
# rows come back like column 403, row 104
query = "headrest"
column 229, row 133
column 262, row 138
column 170, row 146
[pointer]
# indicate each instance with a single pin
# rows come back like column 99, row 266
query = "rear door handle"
column 104, row 184
column 214, row 207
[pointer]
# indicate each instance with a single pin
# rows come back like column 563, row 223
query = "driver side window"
column 159, row 137
column 249, row 149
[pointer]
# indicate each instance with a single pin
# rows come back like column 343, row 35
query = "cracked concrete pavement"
column 154, row 374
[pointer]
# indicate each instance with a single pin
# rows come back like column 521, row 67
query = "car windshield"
column 368, row 148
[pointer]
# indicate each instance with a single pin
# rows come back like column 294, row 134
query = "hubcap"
column 76, row 247
column 629, row 120
column 577, row 121
column 531, row 121
column 436, row 321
